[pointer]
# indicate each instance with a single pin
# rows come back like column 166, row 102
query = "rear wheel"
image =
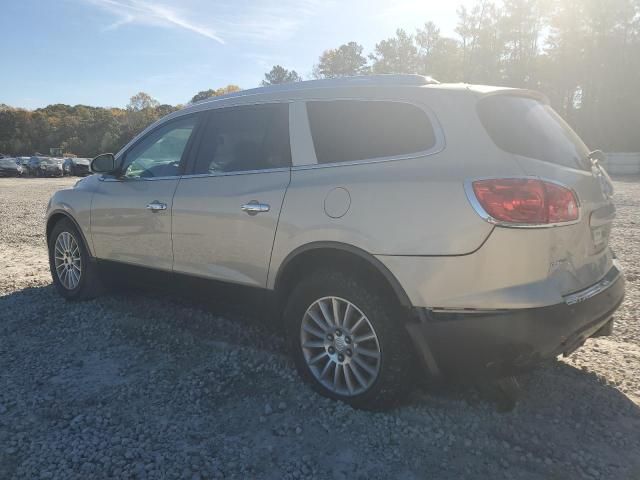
column 74, row 272
column 347, row 341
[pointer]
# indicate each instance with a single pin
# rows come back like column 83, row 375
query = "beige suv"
column 397, row 221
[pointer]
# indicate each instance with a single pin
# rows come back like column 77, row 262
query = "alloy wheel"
column 340, row 346
column 67, row 260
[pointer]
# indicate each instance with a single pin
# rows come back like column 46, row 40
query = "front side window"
column 245, row 138
column 349, row 130
column 159, row 153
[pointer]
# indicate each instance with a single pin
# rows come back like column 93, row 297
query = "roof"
column 355, row 81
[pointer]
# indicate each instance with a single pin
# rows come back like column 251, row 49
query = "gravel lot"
column 139, row 385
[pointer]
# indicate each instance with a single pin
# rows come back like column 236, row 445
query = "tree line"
column 583, row 54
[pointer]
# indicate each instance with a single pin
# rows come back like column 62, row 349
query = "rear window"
column 524, row 126
column 348, row 130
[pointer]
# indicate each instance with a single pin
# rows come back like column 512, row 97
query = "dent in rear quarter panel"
column 575, row 257
column 513, row 269
column 76, row 202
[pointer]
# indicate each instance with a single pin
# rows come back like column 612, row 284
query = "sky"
column 101, row 52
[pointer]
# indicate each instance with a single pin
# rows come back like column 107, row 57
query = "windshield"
column 525, row 126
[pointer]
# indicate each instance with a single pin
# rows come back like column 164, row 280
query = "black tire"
column 384, row 315
column 90, row 284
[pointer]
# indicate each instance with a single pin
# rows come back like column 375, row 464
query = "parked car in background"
column 9, row 167
column 77, row 166
column 24, row 161
column 33, row 165
column 67, row 166
column 394, row 221
column 51, row 167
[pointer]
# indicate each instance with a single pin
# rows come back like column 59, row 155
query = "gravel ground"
column 149, row 386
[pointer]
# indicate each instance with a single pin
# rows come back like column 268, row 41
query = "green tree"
column 346, row 60
column 398, row 54
column 520, row 25
column 278, row 74
column 439, row 57
column 482, row 50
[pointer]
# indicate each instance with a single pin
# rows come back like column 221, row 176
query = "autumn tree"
column 204, row 94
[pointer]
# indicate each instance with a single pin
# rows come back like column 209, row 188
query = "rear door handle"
column 254, row 207
column 156, row 206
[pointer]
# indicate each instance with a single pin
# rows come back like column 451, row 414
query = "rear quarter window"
column 525, row 126
column 350, row 130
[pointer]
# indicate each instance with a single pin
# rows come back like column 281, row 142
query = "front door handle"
column 156, row 206
column 254, row 207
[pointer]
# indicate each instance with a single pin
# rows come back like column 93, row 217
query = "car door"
column 226, row 209
column 131, row 211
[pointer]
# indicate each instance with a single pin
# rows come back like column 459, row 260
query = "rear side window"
column 524, row 126
column 348, row 130
column 245, row 138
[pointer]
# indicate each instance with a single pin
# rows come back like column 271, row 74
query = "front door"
column 131, row 211
column 226, row 209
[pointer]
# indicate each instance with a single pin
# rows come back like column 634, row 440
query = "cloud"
column 146, row 13
column 251, row 20
column 268, row 20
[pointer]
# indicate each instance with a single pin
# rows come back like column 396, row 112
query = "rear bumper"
column 506, row 342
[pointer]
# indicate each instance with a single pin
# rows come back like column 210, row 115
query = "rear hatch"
column 522, row 124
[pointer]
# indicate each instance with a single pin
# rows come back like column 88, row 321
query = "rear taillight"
column 525, row 201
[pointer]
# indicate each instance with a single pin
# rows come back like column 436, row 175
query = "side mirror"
column 104, row 163
column 597, row 155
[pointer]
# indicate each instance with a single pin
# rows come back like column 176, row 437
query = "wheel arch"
column 55, row 216
column 316, row 253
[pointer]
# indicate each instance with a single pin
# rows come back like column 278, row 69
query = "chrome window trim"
column 439, row 145
column 365, row 161
column 471, row 196
column 136, row 179
column 236, row 172
column 195, row 109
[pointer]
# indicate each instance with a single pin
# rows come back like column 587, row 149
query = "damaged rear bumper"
column 507, row 342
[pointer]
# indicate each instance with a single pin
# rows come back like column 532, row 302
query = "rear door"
column 544, row 145
column 226, row 209
column 131, row 211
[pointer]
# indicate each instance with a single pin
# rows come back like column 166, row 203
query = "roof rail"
column 360, row 80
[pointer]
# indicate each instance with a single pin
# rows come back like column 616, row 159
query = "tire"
column 385, row 320
column 88, row 284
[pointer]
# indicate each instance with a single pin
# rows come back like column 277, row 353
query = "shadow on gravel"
column 193, row 316
column 175, row 372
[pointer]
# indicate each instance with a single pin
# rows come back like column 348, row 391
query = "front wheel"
column 73, row 271
column 348, row 340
